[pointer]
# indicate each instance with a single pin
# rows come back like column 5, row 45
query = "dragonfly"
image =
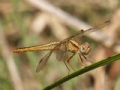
column 61, row 47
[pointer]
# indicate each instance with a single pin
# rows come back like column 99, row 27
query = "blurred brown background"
column 33, row 22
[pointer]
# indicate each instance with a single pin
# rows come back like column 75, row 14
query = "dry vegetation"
column 22, row 23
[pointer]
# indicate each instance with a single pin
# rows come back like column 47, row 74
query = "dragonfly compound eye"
column 85, row 48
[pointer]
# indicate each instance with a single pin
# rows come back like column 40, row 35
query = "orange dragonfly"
column 64, row 46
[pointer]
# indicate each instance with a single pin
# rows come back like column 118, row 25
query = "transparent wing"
column 59, row 48
column 43, row 62
column 62, row 53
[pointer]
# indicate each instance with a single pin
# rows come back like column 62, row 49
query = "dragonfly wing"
column 42, row 62
column 62, row 53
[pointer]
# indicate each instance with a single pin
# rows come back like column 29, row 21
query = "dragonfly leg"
column 80, row 60
column 86, row 58
column 68, row 61
column 66, row 65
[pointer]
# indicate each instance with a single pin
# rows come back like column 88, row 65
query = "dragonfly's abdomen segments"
column 73, row 46
column 36, row 48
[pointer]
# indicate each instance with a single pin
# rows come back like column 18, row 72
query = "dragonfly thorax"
column 85, row 48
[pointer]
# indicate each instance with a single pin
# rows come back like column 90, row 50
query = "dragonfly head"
column 85, row 48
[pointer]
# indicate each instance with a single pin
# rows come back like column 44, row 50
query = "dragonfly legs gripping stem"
column 86, row 58
column 83, row 60
column 67, row 62
column 66, row 66
column 80, row 60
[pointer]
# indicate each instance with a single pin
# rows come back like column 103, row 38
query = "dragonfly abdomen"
column 43, row 47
